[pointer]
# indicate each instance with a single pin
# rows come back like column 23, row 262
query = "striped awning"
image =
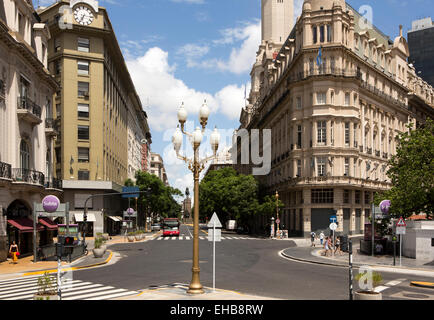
column 48, row 223
column 24, row 225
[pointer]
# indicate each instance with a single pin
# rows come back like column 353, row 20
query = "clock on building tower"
column 83, row 15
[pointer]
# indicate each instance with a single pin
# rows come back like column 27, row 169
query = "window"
column 83, row 45
column 83, row 110
column 298, row 103
column 299, row 133
column 329, row 33
column 311, row 69
column 58, row 153
column 83, row 68
column 322, row 132
column 332, row 135
column 298, row 168
column 83, row 155
column 355, row 136
column 332, row 97
column 321, row 98
column 367, row 197
column 24, row 155
column 347, row 98
column 83, row 132
column 58, row 66
column 83, row 175
column 346, row 196
column 321, row 33
column 347, row 133
column 357, row 197
column 332, row 64
column 322, row 196
column 83, row 89
column 321, row 167
column 347, row 167
column 57, row 45
column 315, row 34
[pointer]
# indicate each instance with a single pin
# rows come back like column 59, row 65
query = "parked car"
column 155, row 227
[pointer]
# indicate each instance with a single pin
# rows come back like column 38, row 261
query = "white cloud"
column 155, row 80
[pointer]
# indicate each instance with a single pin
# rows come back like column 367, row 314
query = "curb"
column 32, row 273
column 428, row 285
column 357, row 265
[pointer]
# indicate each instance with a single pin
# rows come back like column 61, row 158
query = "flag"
column 319, row 58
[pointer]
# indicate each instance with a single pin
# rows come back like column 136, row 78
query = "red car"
column 171, row 227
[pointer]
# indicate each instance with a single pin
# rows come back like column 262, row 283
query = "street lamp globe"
column 177, row 139
column 204, row 114
column 215, row 140
column 182, row 114
column 197, row 137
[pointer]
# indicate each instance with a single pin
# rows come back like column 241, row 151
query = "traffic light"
column 66, row 246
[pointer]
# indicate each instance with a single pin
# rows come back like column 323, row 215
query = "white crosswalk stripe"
column 160, row 238
column 183, row 237
column 26, row 287
column 187, row 238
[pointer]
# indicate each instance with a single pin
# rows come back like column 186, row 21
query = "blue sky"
column 191, row 50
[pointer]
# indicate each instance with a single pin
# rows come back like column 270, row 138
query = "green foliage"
column 160, row 200
column 230, row 195
column 129, row 183
column 46, row 286
column 98, row 243
column 412, row 174
column 377, row 279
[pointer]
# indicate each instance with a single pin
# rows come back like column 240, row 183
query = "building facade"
column 335, row 114
column 27, row 134
column 421, row 45
column 157, row 168
column 99, row 114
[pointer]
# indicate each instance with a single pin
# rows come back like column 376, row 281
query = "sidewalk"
column 26, row 266
column 315, row 255
column 179, row 292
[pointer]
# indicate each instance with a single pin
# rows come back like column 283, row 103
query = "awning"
column 115, row 219
column 48, row 223
column 25, row 225
column 79, row 217
column 120, row 218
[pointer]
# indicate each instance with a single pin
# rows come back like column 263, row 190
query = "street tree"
column 412, row 173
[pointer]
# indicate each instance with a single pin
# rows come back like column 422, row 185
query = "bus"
column 171, row 227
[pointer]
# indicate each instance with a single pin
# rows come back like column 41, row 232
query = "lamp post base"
column 195, row 290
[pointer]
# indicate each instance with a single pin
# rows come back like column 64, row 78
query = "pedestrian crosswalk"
column 25, row 288
column 181, row 238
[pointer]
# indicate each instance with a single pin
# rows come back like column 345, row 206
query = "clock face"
column 83, row 15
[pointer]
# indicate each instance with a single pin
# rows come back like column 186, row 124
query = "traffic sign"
column 333, row 219
column 130, row 189
column 333, row 226
column 218, row 235
column 401, row 223
column 214, row 222
column 385, row 206
column 400, row 230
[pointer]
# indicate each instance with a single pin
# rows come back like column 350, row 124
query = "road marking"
column 381, row 288
column 93, row 294
column 174, row 238
column 166, row 238
column 394, row 282
column 128, row 293
column 229, row 238
column 201, row 238
column 187, row 238
column 160, row 238
column 181, row 238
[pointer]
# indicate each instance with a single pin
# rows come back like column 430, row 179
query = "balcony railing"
column 377, row 153
column 49, row 123
column 28, row 176
column 361, row 148
column 381, row 94
column 54, row 184
column 369, row 151
column 337, row 72
column 385, row 155
column 27, row 104
column 5, row 170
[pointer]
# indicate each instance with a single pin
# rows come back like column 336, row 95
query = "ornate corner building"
column 335, row 92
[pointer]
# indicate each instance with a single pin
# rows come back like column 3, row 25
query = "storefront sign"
column 50, row 204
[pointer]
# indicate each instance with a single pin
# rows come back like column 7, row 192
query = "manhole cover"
column 416, row 296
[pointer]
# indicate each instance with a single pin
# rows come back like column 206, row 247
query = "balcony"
column 377, row 153
column 54, row 184
column 369, row 151
column 361, row 148
column 29, row 111
column 385, row 155
column 314, row 72
column 5, row 171
column 381, row 94
column 28, row 176
column 50, row 127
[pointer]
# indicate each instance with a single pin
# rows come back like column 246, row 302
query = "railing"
column 381, row 94
column 369, row 151
column 54, row 184
column 337, row 72
column 332, row 180
column 29, row 176
column 29, row 105
column 377, row 153
column 49, row 123
column 385, row 155
column 5, row 170
column 361, row 148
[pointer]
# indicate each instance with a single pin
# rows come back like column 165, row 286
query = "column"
column 340, row 216
column 314, row 136
column 353, row 221
column 329, row 133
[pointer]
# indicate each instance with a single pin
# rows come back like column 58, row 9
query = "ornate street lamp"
column 196, row 166
column 277, row 213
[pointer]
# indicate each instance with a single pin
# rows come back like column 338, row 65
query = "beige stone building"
column 157, row 168
column 27, row 134
column 103, row 128
column 334, row 120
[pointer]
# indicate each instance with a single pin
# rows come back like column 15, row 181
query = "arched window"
column 24, row 155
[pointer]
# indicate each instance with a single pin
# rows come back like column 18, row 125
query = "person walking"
column 312, row 239
column 13, row 251
column 330, row 245
column 321, row 237
column 338, row 246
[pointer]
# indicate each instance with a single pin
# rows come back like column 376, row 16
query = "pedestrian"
column 312, row 239
column 326, row 247
column 13, row 251
column 321, row 237
column 338, row 246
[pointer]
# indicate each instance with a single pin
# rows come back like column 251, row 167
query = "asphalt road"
column 248, row 266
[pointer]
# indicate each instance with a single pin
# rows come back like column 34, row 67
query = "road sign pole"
column 400, row 250
column 373, row 230
column 213, row 259
column 333, row 250
column 59, row 282
column 394, row 251
column 350, row 251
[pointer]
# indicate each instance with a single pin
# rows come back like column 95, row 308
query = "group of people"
column 327, row 243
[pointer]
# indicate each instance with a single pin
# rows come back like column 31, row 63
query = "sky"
column 195, row 50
